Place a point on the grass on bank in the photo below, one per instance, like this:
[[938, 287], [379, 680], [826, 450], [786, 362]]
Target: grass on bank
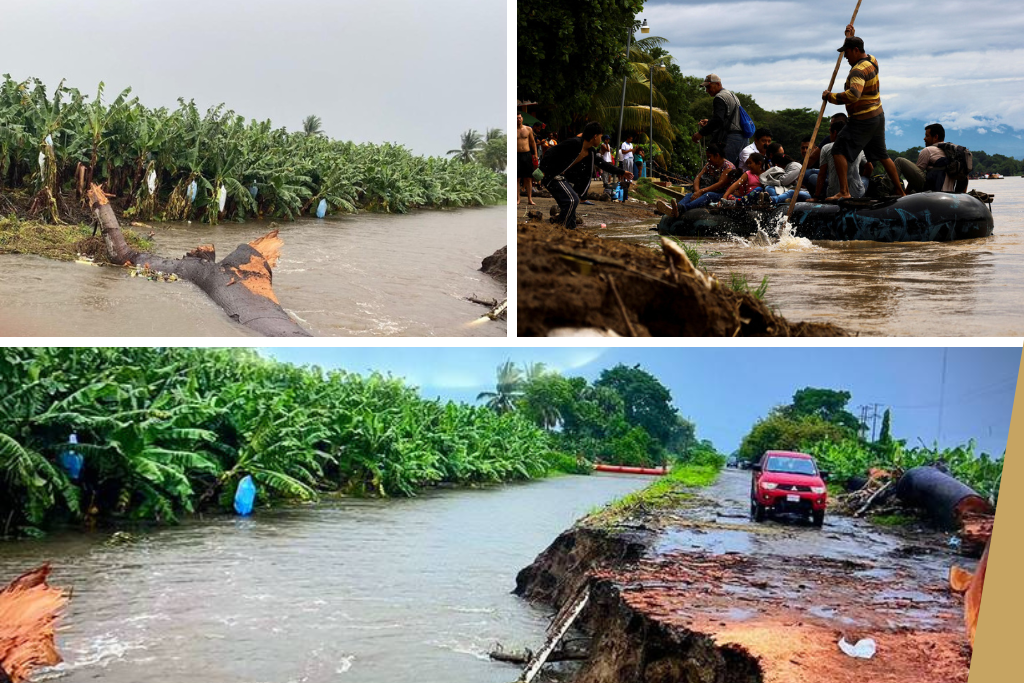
[[672, 490], [737, 282], [60, 242], [893, 520]]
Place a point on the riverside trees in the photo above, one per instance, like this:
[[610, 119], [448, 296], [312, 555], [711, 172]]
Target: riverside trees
[[818, 423], [625, 417]]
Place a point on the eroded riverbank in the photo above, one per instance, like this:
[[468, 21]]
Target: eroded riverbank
[[700, 593]]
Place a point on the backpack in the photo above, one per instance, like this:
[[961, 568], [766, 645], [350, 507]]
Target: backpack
[[746, 124], [959, 160]]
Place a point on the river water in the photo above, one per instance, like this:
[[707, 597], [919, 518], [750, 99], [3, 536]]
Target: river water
[[358, 591], [967, 288], [362, 275]]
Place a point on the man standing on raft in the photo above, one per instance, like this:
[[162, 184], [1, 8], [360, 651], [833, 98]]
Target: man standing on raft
[[865, 131]]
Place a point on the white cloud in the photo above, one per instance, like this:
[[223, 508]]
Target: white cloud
[[981, 131], [963, 74]]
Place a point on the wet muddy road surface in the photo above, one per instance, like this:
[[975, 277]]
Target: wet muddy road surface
[[350, 590], [362, 275], [785, 592], [965, 288]]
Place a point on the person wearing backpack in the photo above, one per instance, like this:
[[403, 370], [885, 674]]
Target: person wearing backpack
[[929, 173], [725, 127]]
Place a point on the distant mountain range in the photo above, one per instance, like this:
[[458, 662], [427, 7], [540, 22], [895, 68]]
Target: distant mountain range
[[1004, 141]]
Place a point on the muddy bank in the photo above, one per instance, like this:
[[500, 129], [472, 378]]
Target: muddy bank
[[600, 210], [697, 595], [576, 280], [496, 265]]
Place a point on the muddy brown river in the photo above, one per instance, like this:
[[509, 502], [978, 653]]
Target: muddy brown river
[[362, 275], [349, 590], [967, 288]]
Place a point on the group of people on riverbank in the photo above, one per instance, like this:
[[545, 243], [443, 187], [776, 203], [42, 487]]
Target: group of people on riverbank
[[531, 150]]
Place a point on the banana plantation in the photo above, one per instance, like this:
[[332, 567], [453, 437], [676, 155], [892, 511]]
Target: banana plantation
[[188, 165], [165, 432]]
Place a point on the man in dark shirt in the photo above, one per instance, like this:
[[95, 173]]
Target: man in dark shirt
[[569, 168], [723, 127]]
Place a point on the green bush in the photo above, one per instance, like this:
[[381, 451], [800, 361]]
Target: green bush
[[167, 431]]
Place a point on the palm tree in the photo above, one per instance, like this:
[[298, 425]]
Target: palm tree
[[638, 113], [472, 144], [494, 154], [508, 389], [311, 125]]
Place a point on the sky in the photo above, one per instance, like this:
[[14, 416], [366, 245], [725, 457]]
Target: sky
[[724, 391], [405, 71], [955, 63]]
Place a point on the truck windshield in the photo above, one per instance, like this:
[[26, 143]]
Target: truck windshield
[[791, 465]]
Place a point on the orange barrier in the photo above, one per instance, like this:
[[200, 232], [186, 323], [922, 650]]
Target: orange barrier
[[622, 469]]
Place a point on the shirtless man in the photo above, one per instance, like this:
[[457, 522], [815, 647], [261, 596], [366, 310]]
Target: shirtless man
[[526, 152]]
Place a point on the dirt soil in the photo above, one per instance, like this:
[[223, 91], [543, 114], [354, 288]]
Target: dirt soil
[[602, 210], [572, 279], [716, 598], [496, 265]]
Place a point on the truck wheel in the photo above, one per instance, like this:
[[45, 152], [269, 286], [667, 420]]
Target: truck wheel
[[759, 512], [818, 517]]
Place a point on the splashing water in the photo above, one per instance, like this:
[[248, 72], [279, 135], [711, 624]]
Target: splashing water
[[775, 237]]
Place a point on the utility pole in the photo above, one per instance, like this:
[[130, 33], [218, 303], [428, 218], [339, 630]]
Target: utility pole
[[874, 421], [862, 431]]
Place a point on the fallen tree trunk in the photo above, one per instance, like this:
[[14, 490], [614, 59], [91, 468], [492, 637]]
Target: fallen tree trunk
[[29, 611], [241, 283], [946, 500]]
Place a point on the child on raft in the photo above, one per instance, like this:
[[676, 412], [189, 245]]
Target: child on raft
[[748, 186]]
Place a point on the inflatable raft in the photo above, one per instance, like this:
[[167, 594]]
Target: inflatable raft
[[922, 217]]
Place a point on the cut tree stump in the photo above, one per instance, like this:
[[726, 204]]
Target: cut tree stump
[[253, 304], [29, 612]]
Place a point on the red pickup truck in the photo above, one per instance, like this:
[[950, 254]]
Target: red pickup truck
[[784, 481]]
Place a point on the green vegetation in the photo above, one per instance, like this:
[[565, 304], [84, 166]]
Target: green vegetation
[[670, 491], [62, 242], [895, 519], [626, 417], [572, 61], [983, 162], [54, 145], [853, 457], [168, 431], [739, 283], [570, 49], [818, 423]]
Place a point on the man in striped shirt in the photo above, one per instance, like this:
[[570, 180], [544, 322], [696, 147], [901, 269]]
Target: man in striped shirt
[[865, 131]]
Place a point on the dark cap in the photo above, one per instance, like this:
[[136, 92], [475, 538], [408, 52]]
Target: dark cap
[[852, 43]]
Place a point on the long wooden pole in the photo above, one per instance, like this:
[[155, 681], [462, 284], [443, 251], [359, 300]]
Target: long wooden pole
[[814, 135]]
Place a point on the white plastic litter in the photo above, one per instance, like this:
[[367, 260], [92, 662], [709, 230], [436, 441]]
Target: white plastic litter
[[42, 163], [151, 181], [222, 197], [864, 649]]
